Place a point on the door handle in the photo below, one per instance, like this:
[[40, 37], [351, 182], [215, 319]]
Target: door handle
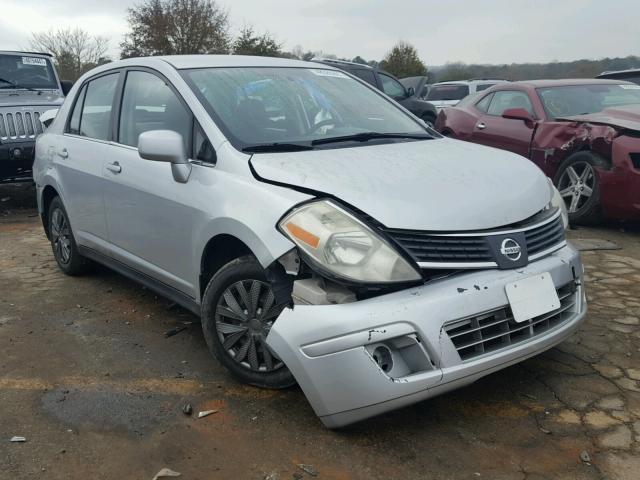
[[63, 153], [114, 167], [481, 126]]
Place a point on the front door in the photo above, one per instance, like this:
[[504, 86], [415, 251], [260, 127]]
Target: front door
[[150, 217], [508, 134]]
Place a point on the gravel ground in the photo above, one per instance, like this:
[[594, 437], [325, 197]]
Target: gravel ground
[[88, 377]]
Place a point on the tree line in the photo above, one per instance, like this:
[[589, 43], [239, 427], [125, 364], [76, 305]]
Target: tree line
[[175, 27]]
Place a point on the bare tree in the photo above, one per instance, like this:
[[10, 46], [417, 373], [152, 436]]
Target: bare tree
[[74, 50], [167, 27]]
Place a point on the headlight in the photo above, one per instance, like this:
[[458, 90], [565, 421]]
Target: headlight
[[341, 244], [558, 202]]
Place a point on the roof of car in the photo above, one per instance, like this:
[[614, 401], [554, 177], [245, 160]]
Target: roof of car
[[474, 80], [565, 82], [342, 63], [207, 61], [615, 72], [19, 52]]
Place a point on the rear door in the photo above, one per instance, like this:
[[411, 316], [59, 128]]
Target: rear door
[[80, 155], [507, 134], [150, 216]]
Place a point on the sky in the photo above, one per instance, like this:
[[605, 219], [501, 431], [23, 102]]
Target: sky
[[476, 31]]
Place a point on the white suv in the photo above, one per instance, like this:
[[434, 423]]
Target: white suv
[[448, 94], [324, 234]]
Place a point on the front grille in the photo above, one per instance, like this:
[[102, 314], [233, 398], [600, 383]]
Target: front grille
[[19, 126], [544, 237], [424, 247], [497, 329], [434, 250]]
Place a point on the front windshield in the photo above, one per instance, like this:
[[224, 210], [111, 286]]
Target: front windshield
[[260, 105], [25, 71], [584, 99]]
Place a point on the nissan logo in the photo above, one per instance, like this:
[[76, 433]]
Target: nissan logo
[[511, 249]]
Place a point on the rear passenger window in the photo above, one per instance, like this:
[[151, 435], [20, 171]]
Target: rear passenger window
[[149, 104], [96, 109], [74, 122]]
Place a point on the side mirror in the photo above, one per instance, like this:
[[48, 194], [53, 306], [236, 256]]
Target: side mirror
[[66, 86], [519, 114], [166, 146], [47, 117], [411, 92]]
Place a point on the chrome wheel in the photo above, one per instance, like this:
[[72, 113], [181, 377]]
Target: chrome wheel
[[244, 315], [576, 185], [61, 236]]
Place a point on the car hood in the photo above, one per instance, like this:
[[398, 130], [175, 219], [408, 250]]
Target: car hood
[[11, 98], [438, 185], [627, 117]]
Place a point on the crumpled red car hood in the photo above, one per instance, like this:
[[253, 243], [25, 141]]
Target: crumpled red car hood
[[627, 117]]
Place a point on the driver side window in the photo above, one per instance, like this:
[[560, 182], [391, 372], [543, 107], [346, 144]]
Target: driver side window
[[392, 87], [149, 104], [505, 99]]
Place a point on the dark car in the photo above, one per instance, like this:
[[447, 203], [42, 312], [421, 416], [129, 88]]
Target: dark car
[[29, 86], [584, 134], [388, 84], [419, 84], [631, 75]]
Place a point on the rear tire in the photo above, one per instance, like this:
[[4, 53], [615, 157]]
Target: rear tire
[[577, 181], [237, 313], [63, 244]]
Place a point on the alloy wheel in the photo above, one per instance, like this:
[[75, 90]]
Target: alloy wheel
[[244, 315], [576, 185], [61, 236]]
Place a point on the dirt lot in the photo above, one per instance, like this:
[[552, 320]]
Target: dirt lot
[[88, 377]]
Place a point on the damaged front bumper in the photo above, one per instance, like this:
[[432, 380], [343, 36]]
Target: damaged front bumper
[[356, 360]]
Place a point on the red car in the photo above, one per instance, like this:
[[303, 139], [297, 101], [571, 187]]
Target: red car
[[584, 134]]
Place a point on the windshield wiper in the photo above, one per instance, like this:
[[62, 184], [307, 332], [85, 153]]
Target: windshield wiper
[[15, 85], [277, 147], [366, 136]]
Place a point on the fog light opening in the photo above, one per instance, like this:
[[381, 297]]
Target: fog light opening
[[382, 356]]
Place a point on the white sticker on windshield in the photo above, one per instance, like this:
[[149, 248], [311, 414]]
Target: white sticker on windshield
[[34, 61], [630, 87], [329, 73]]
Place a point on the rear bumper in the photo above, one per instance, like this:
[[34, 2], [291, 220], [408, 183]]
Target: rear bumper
[[330, 349], [16, 160]]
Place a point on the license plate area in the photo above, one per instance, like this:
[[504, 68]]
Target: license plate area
[[532, 296]]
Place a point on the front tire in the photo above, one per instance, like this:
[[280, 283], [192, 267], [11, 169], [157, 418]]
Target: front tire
[[63, 244], [237, 313], [430, 120], [577, 182]]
